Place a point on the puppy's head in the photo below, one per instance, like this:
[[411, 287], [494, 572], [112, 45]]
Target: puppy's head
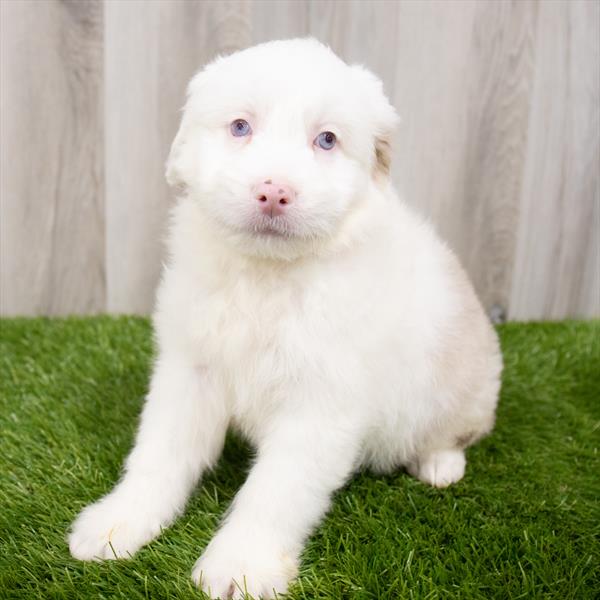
[[279, 144]]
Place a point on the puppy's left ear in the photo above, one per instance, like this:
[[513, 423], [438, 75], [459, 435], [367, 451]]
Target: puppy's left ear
[[383, 157], [384, 121]]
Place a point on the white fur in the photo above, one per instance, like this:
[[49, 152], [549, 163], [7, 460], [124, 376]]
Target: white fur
[[346, 336]]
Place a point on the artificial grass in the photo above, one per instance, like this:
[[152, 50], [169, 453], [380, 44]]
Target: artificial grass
[[524, 522]]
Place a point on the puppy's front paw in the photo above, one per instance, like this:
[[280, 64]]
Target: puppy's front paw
[[228, 569], [111, 528]]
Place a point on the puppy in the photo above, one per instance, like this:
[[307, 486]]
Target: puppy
[[303, 304]]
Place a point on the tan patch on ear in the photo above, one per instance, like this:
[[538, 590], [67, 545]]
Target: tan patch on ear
[[383, 157]]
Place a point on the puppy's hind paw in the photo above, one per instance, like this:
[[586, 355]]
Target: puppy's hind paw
[[440, 468]]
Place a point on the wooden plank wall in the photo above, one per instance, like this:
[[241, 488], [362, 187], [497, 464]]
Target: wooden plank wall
[[499, 146], [52, 212]]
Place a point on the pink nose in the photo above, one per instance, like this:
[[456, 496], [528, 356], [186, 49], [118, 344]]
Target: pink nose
[[273, 198]]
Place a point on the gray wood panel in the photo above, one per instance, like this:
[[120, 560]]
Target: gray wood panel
[[557, 266], [135, 189], [499, 145], [484, 213], [51, 183], [275, 20]]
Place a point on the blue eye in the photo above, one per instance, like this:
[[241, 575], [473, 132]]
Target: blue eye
[[240, 128], [325, 140]]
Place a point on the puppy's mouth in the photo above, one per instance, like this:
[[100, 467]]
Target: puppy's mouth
[[272, 227]]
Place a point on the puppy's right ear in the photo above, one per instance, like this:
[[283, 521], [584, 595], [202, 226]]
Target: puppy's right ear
[[174, 168], [180, 159]]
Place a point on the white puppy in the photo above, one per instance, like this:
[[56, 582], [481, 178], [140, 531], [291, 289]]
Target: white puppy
[[302, 304]]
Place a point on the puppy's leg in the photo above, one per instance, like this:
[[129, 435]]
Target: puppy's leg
[[287, 492], [181, 433]]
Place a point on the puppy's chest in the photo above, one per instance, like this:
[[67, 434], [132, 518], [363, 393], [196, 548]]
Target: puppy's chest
[[244, 326]]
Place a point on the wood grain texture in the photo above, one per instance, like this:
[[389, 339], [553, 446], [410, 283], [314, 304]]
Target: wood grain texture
[[485, 210], [557, 267], [275, 20], [51, 189], [499, 145]]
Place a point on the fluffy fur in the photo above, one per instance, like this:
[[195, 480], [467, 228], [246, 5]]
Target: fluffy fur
[[342, 334]]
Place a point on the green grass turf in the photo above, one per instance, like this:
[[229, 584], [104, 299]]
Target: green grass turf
[[523, 523]]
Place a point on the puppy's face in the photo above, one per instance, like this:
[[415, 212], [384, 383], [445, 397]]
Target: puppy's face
[[279, 144]]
